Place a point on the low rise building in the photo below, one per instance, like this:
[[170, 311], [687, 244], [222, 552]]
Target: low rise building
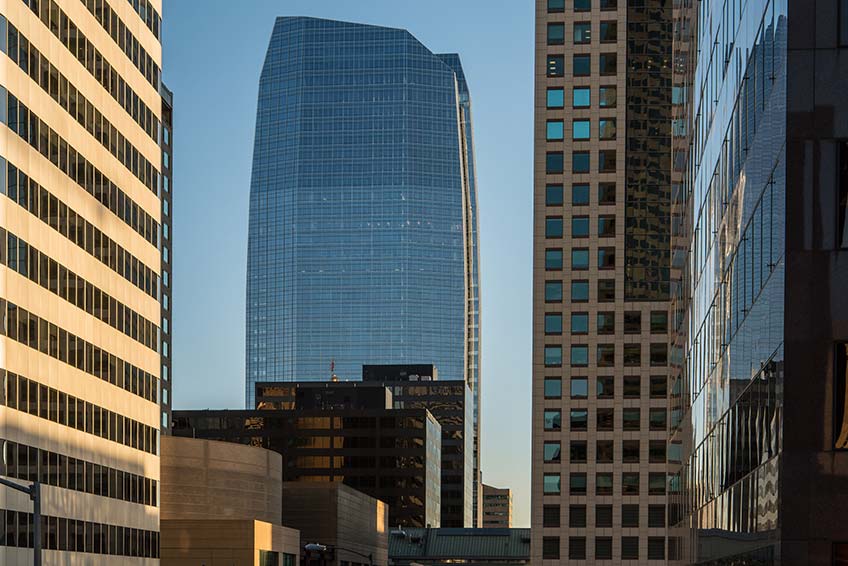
[[469, 547], [497, 507]]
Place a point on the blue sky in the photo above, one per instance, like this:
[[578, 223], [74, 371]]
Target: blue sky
[[213, 53]]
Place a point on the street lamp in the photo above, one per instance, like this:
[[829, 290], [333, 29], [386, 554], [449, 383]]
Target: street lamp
[[34, 492], [323, 548]]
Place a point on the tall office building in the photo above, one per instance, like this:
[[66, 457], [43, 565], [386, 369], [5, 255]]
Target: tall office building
[[166, 132], [363, 215], [759, 310], [81, 277], [601, 280]]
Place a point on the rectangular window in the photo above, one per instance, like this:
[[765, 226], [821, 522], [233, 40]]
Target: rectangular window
[[603, 516], [578, 452], [553, 195], [551, 516], [582, 32], [556, 98], [605, 418], [840, 395], [579, 323], [603, 483], [609, 5], [607, 97], [606, 322], [553, 388], [554, 130], [582, 5], [606, 290], [659, 387], [657, 452], [606, 193], [550, 548], [656, 548], [606, 258], [632, 355], [630, 451], [553, 291], [581, 97], [553, 162], [577, 484], [604, 453], [580, 194], [553, 420], [606, 355], [629, 486], [609, 32], [606, 226], [577, 516], [656, 483], [579, 388], [552, 452], [580, 162], [579, 259], [556, 34], [582, 65], [607, 64], [553, 356], [606, 387], [580, 130], [580, 227], [659, 322], [607, 129], [579, 291], [630, 418], [553, 259], [632, 386], [579, 419], [632, 322], [553, 227], [656, 516], [556, 66], [657, 418], [659, 355], [603, 548], [577, 548], [606, 161], [555, 6], [630, 548], [553, 323]]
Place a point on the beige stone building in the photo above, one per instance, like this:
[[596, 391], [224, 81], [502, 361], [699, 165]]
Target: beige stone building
[[601, 281], [222, 506], [497, 507], [80, 277]]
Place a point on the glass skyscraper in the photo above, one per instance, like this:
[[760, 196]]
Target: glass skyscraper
[[363, 215]]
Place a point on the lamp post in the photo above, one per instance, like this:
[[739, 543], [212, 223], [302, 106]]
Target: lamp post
[[34, 492], [323, 548]]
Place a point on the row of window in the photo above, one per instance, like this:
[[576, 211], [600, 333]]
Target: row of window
[[581, 129], [604, 452], [579, 256], [581, 65], [33, 464], [554, 226], [124, 38], [98, 67], [630, 516], [581, 162], [71, 535], [630, 481], [606, 322], [54, 83], [56, 278], [582, 32], [581, 97], [39, 334], [603, 548], [580, 291], [56, 214], [579, 194], [631, 386], [605, 355], [631, 419], [558, 6], [51, 404], [54, 148]]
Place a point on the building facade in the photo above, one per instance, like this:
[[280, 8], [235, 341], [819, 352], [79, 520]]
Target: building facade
[[601, 280], [474, 547], [363, 201], [81, 278], [167, 196], [497, 507], [759, 313]]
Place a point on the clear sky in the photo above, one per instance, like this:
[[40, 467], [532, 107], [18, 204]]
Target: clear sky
[[213, 53]]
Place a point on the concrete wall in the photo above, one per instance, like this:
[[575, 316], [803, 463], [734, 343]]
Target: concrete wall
[[224, 543]]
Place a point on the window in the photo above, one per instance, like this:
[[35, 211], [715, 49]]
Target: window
[[580, 227], [629, 486], [579, 419], [555, 130], [577, 548], [603, 548], [553, 323], [603, 516], [552, 452], [580, 194], [656, 548], [843, 22], [553, 195], [606, 355], [632, 386], [607, 97], [582, 65], [609, 4], [553, 291], [553, 7], [630, 516], [552, 484], [605, 418], [606, 387], [659, 355], [657, 419], [657, 451], [556, 34], [607, 64], [606, 258], [604, 452], [579, 356], [580, 130], [556, 66], [577, 484], [840, 395], [659, 387], [656, 483], [580, 259], [579, 291], [579, 388], [582, 32], [268, 558], [577, 516], [581, 97], [553, 388], [606, 226], [578, 452], [553, 259], [632, 355], [609, 32], [553, 419], [656, 516], [580, 162], [606, 161], [630, 548], [556, 98], [582, 5], [606, 193], [631, 418], [630, 451], [553, 227], [659, 322], [554, 162], [632, 322], [606, 129], [550, 546], [603, 483], [550, 516], [553, 356], [606, 290], [606, 323]]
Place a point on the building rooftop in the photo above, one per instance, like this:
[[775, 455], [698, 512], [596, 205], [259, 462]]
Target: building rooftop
[[472, 546]]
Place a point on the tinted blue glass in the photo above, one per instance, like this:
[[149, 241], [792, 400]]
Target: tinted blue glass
[[553, 162], [553, 195], [580, 227], [556, 65], [556, 98], [582, 65], [580, 162], [579, 355], [553, 387], [552, 484], [553, 291], [580, 258], [580, 194], [556, 34], [579, 323], [553, 227], [579, 291], [582, 5], [555, 130], [552, 452], [582, 97], [553, 355], [553, 259], [580, 129], [553, 324]]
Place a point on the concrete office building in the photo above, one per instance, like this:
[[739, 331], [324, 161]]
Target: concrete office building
[[81, 277], [759, 309], [601, 280], [222, 506], [497, 507], [337, 232]]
